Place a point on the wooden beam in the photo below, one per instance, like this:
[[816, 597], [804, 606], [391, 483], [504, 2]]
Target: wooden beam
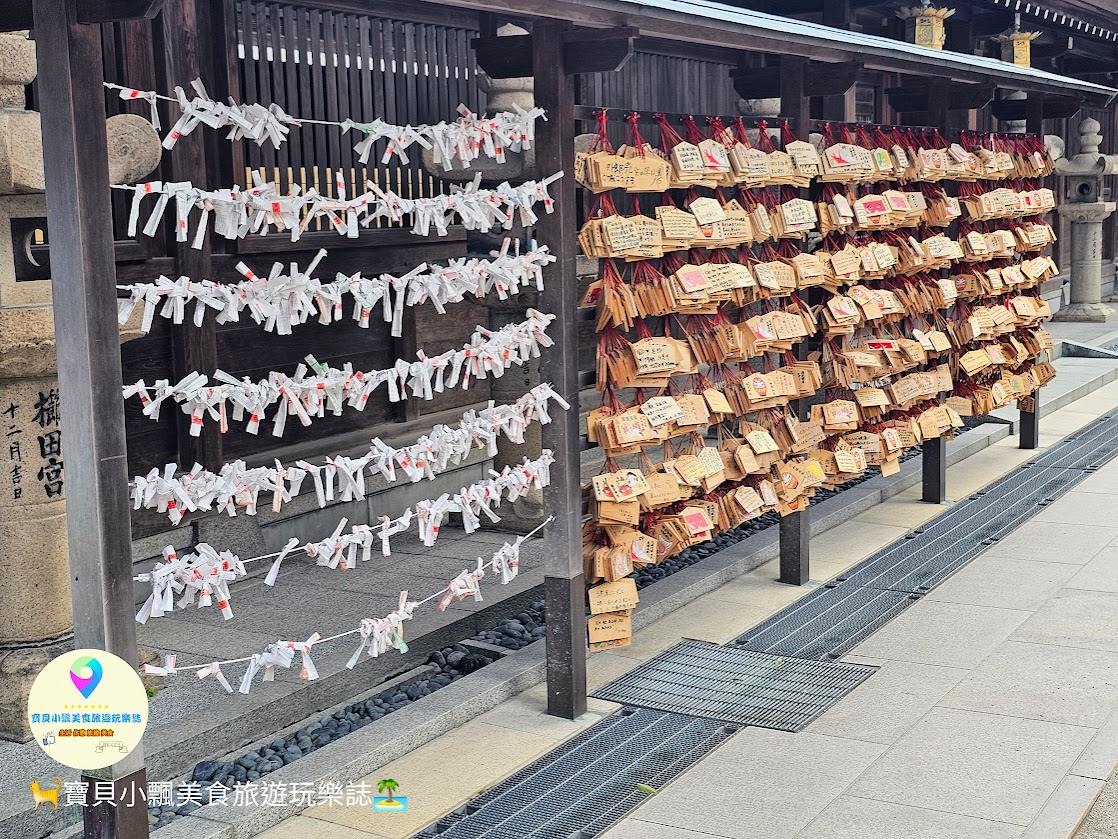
[[19, 14], [16, 15], [961, 96], [654, 21], [598, 50], [106, 11], [820, 78], [584, 51], [193, 348], [75, 156], [564, 582], [1052, 107]]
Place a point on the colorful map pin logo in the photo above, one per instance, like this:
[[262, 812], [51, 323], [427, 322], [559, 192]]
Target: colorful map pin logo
[[85, 673]]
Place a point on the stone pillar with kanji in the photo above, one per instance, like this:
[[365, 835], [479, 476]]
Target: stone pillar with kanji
[[36, 621]]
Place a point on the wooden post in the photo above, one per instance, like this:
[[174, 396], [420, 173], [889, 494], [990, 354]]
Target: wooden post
[[838, 107], [1028, 423], [564, 583], [193, 349], [72, 103], [934, 483], [794, 105], [795, 528]]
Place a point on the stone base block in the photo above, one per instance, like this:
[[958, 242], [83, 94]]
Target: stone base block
[[1085, 313], [518, 167], [21, 152], [524, 514], [17, 59], [18, 669]]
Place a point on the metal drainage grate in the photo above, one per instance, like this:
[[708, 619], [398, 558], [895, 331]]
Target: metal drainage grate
[[929, 554], [735, 685], [582, 787], [1088, 448], [826, 623], [832, 620]]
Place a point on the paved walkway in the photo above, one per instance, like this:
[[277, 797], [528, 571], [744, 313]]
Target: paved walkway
[[994, 714], [989, 719]]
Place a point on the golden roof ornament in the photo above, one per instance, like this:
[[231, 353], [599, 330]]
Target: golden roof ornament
[[1017, 45], [924, 24]]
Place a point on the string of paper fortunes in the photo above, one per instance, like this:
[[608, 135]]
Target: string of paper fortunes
[[488, 352], [925, 303], [377, 635], [238, 212], [281, 301], [464, 140], [341, 478], [208, 572]]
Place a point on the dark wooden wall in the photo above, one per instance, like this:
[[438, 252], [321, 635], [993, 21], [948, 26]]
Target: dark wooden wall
[[332, 61]]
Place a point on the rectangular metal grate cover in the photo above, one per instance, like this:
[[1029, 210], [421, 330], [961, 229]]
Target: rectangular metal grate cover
[[826, 623], [590, 781], [736, 685]]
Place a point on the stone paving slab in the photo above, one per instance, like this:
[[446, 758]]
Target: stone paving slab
[[982, 765], [1020, 584], [1056, 541], [886, 706], [1075, 618], [1042, 682], [944, 634], [849, 817], [761, 784]]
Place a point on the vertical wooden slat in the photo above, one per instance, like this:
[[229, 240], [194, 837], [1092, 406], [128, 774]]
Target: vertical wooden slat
[[194, 349], [264, 12], [341, 51], [330, 79], [388, 51], [250, 77], [278, 91], [372, 89], [314, 135], [460, 55], [442, 60], [409, 80], [291, 102], [317, 164]]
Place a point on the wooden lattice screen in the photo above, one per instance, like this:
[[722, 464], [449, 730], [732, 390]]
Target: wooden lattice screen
[[335, 65]]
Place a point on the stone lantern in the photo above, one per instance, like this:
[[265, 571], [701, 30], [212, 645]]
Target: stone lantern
[[36, 622], [1086, 212]]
